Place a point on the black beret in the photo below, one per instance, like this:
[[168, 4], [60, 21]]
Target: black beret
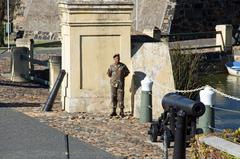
[[115, 55]]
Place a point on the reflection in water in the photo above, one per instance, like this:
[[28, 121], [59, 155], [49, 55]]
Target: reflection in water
[[230, 85]]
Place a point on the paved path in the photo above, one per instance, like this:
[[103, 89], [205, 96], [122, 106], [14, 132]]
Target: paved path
[[22, 137]]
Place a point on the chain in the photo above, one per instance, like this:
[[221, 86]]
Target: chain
[[181, 91], [225, 95], [215, 129], [227, 110], [196, 90], [191, 90]]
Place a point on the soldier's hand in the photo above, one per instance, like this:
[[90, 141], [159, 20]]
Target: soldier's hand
[[109, 74]]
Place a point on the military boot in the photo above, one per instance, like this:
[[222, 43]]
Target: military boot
[[121, 113], [113, 113]]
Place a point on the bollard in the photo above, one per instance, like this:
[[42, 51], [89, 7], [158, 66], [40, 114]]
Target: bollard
[[25, 42], [66, 139], [146, 100], [54, 69], [20, 67], [207, 120], [180, 136], [49, 103]]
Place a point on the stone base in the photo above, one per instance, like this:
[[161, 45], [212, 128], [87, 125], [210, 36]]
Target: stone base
[[18, 79], [101, 105]]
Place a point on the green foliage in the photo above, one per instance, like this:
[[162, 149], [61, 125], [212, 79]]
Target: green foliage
[[230, 135], [2, 34]]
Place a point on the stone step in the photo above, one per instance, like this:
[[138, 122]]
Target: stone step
[[222, 145]]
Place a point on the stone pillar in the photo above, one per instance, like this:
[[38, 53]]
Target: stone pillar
[[92, 32], [20, 67], [24, 42], [54, 69], [225, 37], [155, 33]]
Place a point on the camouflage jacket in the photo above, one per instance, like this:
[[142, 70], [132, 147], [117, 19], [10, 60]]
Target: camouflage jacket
[[117, 73]]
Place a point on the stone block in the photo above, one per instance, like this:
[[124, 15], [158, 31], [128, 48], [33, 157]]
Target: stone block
[[154, 33], [224, 38], [153, 60]]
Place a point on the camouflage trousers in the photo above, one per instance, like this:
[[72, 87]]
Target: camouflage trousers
[[117, 97]]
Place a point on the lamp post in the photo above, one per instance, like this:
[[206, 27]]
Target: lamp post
[[8, 24], [136, 12]]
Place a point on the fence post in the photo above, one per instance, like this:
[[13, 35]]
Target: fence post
[[25, 42], [66, 139], [180, 136], [207, 120], [146, 100], [225, 37], [54, 69], [49, 103]]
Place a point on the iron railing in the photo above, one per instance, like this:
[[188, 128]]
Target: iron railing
[[190, 36]]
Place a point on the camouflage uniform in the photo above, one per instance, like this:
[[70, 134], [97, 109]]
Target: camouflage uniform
[[117, 72]]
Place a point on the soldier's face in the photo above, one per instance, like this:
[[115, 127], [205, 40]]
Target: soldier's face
[[117, 59]]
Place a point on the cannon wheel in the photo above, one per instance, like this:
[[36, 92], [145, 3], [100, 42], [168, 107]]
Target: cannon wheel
[[154, 132]]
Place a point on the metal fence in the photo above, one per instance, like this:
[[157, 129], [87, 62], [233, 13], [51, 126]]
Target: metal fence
[[190, 36]]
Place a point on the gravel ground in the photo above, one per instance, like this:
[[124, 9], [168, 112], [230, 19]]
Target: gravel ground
[[121, 137], [125, 137]]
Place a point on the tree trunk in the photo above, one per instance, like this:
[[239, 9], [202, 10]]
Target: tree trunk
[[2, 13]]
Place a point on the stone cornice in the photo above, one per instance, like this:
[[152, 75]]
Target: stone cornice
[[95, 2], [97, 5], [106, 23]]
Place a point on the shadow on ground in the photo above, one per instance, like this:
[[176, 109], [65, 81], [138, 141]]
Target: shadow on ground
[[25, 85], [14, 105]]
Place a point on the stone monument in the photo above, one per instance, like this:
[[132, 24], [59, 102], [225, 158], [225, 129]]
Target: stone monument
[[92, 32]]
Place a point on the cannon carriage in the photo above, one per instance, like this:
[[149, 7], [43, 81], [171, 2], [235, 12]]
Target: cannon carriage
[[178, 121]]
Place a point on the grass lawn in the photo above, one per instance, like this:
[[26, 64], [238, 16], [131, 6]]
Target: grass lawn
[[37, 43]]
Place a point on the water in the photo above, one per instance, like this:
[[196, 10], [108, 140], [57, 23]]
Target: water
[[230, 85]]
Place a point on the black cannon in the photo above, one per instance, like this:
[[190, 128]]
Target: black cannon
[[177, 123]]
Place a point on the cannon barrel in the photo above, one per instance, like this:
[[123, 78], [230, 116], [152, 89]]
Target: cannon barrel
[[178, 102]]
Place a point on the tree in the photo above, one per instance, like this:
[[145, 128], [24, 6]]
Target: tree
[[2, 14]]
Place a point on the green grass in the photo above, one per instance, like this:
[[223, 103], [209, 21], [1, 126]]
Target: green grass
[[42, 43], [37, 43]]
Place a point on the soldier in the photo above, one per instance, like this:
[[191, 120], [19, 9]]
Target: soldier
[[117, 72]]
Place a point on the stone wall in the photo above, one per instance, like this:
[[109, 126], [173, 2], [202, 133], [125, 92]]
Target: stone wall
[[168, 16], [39, 19], [42, 35], [150, 14], [151, 59], [175, 15]]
